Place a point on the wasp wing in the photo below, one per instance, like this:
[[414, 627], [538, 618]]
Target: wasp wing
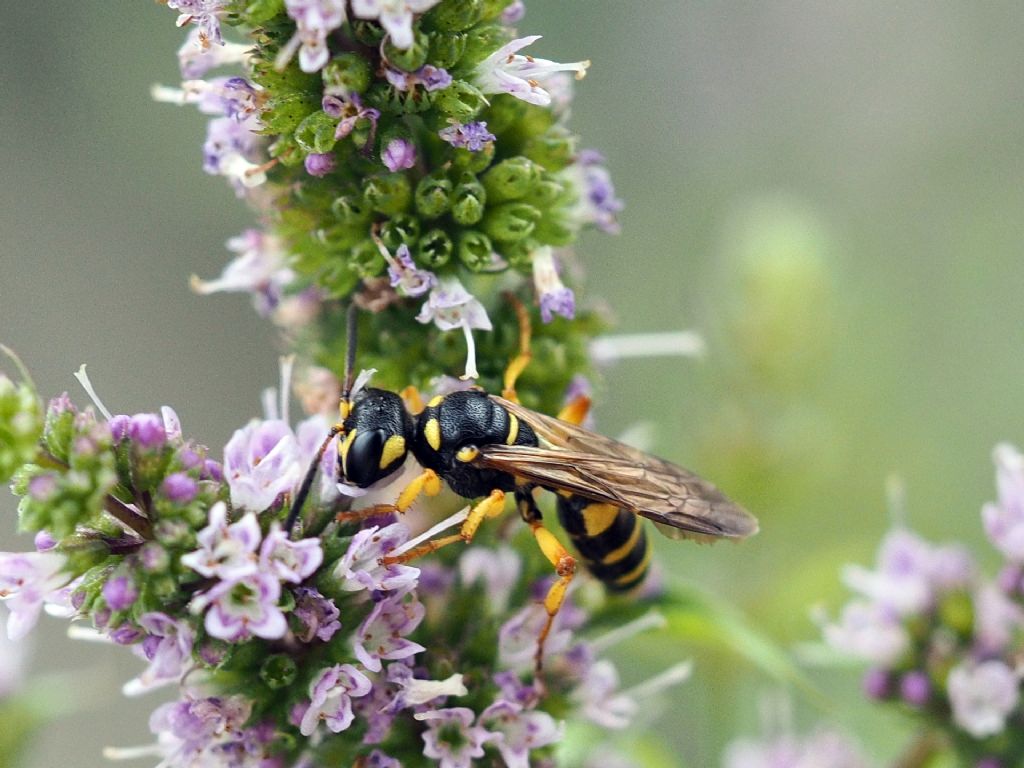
[[596, 467]]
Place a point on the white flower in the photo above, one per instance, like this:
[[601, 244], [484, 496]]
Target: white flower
[[867, 631], [26, 579], [451, 306], [982, 696], [505, 71], [1004, 522], [394, 15]]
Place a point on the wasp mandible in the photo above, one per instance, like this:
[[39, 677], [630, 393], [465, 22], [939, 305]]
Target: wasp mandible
[[485, 446]]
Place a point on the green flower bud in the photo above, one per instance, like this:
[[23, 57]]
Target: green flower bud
[[409, 59], [316, 132], [21, 425], [511, 221], [468, 200], [284, 113], [446, 49], [474, 162], [554, 149], [510, 179], [504, 113], [338, 278], [547, 193], [492, 9], [434, 249], [432, 195], [388, 193], [475, 251], [258, 12], [402, 229], [278, 671], [483, 41], [454, 15], [347, 73], [164, 588], [552, 229], [366, 260], [352, 211], [286, 150], [367, 33], [460, 101], [957, 612], [520, 253]]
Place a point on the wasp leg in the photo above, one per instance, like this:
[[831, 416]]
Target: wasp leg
[[565, 569], [427, 482], [518, 363], [492, 506], [576, 410], [413, 400]]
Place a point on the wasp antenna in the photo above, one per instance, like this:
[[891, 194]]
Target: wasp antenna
[[351, 336], [307, 481]]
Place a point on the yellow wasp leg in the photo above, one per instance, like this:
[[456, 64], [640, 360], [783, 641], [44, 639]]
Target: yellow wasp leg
[[576, 410], [565, 568], [413, 400], [492, 506], [426, 482], [520, 361]]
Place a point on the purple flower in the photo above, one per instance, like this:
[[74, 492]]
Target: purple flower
[[404, 275], [399, 155], [120, 593], [516, 731], [513, 12], [41, 488], [226, 551], [597, 203], [997, 620], [202, 13], [168, 649], [314, 21], [915, 688], [517, 637], [1004, 521], [378, 759], [394, 15], [430, 77], [350, 110], [554, 297], [260, 268], [146, 430], [179, 488], [231, 149], [293, 561], [450, 738], [196, 56], [320, 164], [330, 698], [237, 610], [26, 580], [877, 683], [317, 615], [381, 636], [451, 306], [982, 696], [360, 567], [498, 569], [43, 540], [261, 462], [207, 731], [869, 632], [823, 748], [506, 71], [472, 136]]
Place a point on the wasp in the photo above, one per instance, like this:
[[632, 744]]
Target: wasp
[[485, 446]]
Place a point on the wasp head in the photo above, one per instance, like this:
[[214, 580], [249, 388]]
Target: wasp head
[[377, 433]]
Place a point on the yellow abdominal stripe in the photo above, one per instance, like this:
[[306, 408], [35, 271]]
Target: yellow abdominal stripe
[[513, 430], [597, 518]]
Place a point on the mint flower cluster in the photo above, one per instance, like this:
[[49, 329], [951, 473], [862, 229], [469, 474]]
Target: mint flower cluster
[[943, 641], [409, 152], [283, 652]]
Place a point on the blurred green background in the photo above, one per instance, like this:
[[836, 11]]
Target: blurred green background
[[831, 193]]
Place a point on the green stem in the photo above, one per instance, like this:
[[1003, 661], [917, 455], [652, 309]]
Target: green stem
[[922, 751]]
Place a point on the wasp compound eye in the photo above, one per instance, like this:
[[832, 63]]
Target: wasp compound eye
[[369, 455]]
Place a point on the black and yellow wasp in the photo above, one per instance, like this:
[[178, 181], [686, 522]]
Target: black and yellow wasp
[[484, 446]]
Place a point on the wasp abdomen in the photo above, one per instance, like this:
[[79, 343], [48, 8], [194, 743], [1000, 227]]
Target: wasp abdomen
[[610, 540]]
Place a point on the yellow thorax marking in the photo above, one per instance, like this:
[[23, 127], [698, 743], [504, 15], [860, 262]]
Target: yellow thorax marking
[[343, 447], [619, 553], [344, 408], [513, 430], [394, 448], [468, 453], [432, 431], [435, 401], [597, 518]]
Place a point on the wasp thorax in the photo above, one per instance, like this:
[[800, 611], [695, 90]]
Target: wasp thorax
[[376, 438]]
